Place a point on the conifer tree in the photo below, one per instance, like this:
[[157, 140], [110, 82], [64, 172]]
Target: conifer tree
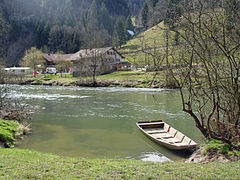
[[153, 2], [105, 18], [144, 15], [128, 26], [119, 34], [173, 13]]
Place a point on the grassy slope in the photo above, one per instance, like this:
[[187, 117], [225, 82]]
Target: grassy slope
[[156, 34], [23, 164]]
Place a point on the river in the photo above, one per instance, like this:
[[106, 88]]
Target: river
[[100, 122]]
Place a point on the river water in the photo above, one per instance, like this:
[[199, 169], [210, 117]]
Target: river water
[[101, 122]]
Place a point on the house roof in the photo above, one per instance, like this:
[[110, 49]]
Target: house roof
[[56, 57], [82, 54]]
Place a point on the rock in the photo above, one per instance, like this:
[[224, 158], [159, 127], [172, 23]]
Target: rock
[[212, 155]]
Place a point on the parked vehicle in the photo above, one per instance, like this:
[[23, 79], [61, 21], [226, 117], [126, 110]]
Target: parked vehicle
[[34, 73], [51, 70]]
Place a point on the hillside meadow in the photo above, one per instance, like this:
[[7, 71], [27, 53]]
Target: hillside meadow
[[153, 41]]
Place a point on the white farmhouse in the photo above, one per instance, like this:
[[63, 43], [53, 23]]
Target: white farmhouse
[[85, 62]]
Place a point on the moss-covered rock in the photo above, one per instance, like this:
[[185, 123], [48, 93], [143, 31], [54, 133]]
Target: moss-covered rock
[[10, 131]]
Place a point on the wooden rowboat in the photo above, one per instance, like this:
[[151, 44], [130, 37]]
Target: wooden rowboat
[[166, 135]]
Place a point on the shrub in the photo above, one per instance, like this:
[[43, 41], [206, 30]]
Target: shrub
[[7, 130]]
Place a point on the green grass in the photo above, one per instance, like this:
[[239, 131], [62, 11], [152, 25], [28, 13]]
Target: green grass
[[7, 131], [155, 36], [26, 164], [221, 147], [128, 75], [119, 75]]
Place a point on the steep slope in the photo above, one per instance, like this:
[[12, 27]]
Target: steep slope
[[146, 46], [56, 25]]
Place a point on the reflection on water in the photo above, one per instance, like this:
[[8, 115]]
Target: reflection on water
[[101, 122], [153, 157]]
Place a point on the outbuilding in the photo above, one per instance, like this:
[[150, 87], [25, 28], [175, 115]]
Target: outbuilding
[[19, 70]]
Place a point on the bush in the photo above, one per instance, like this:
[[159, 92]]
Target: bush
[[220, 147], [7, 131]]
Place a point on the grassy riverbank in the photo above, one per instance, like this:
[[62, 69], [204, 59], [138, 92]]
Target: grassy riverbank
[[138, 79], [118, 75], [10, 131], [25, 164]]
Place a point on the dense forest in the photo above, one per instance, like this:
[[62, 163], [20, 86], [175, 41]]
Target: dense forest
[[68, 25], [59, 25]]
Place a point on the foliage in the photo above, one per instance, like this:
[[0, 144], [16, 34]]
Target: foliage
[[216, 145], [26, 164], [128, 26], [221, 147], [32, 58], [134, 49], [135, 6], [144, 15], [56, 25], [120, 33], [4, 31], [63, 38], [173, 13], [7, 131], [210, 52]]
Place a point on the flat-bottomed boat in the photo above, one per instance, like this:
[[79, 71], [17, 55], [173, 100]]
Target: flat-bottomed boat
[[166, 135]]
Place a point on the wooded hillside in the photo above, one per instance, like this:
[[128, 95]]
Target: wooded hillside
[[58, 25]]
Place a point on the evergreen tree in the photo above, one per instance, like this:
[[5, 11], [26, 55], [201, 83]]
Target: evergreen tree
[[153, 3], [105, 18], [115, 38], [232, 8], [41, 34], [173, 13], [119, 34], [144, 15], [128, 26], [4, 30], [63, 38]]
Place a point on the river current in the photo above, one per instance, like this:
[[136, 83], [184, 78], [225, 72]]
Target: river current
[[101, 122]]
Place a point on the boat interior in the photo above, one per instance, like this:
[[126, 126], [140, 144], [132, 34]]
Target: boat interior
[[163, 132]]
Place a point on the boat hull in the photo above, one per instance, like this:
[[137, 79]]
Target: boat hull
[[161, 133]]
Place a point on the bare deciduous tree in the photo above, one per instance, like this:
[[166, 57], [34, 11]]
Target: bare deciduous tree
[[209, 81]]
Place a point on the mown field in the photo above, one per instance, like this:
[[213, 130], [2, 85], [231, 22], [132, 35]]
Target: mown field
[[26, 164]]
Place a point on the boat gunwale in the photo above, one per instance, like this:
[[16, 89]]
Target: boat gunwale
[[161, 141]]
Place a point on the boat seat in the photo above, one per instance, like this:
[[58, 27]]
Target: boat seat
[[177, 140], [156, 132], [152, 123], [171, 134]]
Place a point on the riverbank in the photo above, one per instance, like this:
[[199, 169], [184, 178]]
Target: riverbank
[[134, 79], [26, 164], [99, 83], [10, 131]]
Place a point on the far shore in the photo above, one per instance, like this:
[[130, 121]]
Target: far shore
[[99, 83], [130, 79]]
